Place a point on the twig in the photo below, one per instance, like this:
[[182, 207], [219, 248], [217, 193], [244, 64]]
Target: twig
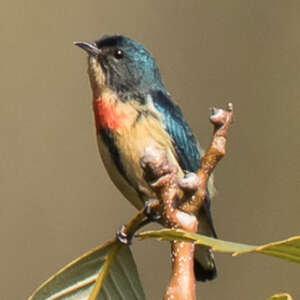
[[163, 179], [221, 119], [179, 212], [134, 224]]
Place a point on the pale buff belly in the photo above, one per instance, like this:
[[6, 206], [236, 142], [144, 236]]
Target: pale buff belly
[[131, 144], [117, 178]]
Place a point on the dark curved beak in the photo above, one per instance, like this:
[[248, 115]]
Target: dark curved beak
[[90, 47]]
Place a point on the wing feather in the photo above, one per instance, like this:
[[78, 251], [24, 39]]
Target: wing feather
[[186, 147], [184, 142]]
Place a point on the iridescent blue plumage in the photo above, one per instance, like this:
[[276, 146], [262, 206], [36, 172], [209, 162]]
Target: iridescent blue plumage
[[184, 142], [187, 150], [143, 78], [125, 77], [136, 74]]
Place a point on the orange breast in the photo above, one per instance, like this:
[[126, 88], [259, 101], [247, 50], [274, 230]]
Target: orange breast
[[107, 115]]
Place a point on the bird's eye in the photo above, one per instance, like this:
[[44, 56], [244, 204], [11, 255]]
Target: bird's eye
[[118, 54]]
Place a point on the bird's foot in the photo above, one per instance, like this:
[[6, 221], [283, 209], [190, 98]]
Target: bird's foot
[[189, 183], [152, 215], [123, 237], [151, 211]]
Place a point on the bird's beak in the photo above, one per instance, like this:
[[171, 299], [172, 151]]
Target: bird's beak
[[90, 47]]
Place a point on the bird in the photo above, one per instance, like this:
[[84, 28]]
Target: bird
[[132, 110]]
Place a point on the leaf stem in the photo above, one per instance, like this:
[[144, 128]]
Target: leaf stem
[[131, 227], [104, 270]]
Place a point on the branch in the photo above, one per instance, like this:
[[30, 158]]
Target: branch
[[179, 209], [221, 119], [162, 177]]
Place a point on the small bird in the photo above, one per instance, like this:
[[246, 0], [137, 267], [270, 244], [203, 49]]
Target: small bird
[[133, 110]]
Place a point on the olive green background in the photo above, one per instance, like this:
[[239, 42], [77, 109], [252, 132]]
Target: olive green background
[[56, 198]]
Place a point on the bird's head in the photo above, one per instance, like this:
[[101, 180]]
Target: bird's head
[[123, 65]]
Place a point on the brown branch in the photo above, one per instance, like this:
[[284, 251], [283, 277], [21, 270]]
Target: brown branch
[[179, 211], [221, 119], [134, 224], [163, 178]]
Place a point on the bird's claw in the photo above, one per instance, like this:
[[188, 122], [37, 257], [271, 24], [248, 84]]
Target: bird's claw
[[189, 183], [149, 210], [123, 237], [152, 215]]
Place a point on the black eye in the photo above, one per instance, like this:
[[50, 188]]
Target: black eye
[[118, 54]]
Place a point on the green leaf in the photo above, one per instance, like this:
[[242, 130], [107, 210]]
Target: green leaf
[[287, 249], [76, 281], [178, 234], [281, 297]]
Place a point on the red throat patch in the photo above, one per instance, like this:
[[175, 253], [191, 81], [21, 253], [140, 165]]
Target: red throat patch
[[107, 115]]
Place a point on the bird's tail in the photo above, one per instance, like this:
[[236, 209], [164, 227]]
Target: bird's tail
[[204, 264]]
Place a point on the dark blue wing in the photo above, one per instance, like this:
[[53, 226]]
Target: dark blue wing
[[184, 142], [188, 155]]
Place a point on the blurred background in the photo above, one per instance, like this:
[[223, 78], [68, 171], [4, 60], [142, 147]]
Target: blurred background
[[56, 198]]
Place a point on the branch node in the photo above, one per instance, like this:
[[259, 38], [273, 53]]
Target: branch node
[[180, 209]]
